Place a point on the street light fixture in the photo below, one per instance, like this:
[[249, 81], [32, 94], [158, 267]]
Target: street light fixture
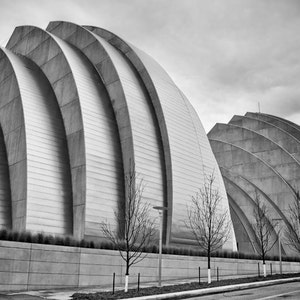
[[279, 243], [160, 210]]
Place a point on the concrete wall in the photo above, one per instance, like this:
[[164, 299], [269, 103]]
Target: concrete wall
[[33, 266]]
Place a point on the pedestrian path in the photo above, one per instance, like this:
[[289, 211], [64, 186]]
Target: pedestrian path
[[66, 294]]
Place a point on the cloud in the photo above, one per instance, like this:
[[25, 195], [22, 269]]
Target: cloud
[[226, 56], [255, 61]]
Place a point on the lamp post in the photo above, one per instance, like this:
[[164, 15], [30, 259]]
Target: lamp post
[[279, 244], [160, 212]]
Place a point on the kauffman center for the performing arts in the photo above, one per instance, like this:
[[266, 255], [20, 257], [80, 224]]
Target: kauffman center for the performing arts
[[78, 105]]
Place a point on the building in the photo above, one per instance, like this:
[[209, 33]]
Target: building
[[258, 154], [79, 107]]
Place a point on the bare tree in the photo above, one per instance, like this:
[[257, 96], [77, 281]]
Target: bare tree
[[136, 230], [209, 224], [263, 227], [292, 232]]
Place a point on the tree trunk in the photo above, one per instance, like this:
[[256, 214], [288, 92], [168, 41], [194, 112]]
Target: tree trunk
[[208, 268], [126, 283], [208, 276], [264, 266], [126, 276]]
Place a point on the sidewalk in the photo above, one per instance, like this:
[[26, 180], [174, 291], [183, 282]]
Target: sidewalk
[[66, 294]]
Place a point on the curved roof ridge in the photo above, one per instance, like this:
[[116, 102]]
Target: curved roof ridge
[[264, 137], [282, 121], [271, 125], [259, 159], [129, 51], [243, 220], [274, 205]]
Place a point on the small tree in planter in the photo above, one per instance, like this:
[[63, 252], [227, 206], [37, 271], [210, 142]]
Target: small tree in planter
[[137, 230], [210, 226], [263, 227]]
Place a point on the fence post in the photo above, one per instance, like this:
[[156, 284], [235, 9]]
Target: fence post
[[199, 274], [271, 268], [217, 273], [139, 275], [114, 279], [258, 269]]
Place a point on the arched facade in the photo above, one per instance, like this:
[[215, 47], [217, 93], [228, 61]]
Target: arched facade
[[258, 153], [79, 106]]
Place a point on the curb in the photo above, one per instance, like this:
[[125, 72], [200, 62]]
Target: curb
[[215, 290]]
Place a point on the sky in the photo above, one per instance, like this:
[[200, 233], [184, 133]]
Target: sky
[[227, 57]]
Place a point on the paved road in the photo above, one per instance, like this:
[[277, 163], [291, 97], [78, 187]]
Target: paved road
[[290, 291]]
